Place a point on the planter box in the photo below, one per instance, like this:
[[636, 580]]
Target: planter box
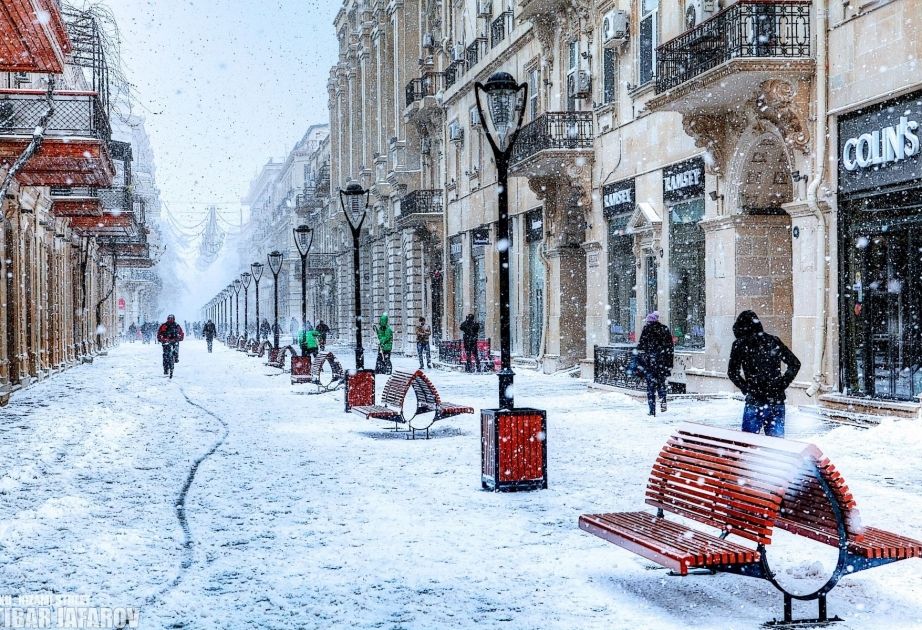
[[513, 446], [300, 369], [360, 388]]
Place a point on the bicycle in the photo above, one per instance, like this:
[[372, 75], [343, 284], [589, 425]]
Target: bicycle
[[170, 350]]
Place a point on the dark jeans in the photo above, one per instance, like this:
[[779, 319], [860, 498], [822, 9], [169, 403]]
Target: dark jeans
[[322, 340], [169, 347], [209, 341], [654, 386], [386, 359], [423, 347], [470, 347], [305, 351], [759, 417]]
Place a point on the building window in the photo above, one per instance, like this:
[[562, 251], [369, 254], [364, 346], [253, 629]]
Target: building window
[[534, 93], [572, 74], [622, 295], [648, 39], [686, 273], [609, 76]]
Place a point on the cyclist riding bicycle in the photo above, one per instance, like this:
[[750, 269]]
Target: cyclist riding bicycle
[[170, 334]]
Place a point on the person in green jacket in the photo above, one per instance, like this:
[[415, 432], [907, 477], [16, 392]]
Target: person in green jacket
[[385, 343], [307, 339]]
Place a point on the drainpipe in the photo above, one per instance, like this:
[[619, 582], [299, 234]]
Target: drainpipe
[[819, 166]]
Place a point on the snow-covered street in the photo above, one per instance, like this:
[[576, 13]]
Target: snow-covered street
[[297, 515]]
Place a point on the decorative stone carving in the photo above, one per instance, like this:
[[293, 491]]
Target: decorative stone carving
[[715, 133], [564, 215], [781, 104]]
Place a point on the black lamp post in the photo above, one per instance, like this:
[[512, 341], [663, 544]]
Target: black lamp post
[[304, 238], [237, 285], [354, 200], [257, 270], [505, 101], [230, 308], [246, 277], [275, 264]]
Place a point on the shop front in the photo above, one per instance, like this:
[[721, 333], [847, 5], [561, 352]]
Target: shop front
[[880, 214]]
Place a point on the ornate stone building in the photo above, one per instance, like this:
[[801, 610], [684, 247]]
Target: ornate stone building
[[387, 135]]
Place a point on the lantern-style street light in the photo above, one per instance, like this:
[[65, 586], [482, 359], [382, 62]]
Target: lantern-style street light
[[237, 285], [505, 100], [230, 309], [304, 238], [354, 201], [246, 277], [257, 270], [275, 264]]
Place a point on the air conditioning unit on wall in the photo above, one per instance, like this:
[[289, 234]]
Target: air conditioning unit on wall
[[615, 28], [484, 8], [580, 85], [697, 11], [457, 52]]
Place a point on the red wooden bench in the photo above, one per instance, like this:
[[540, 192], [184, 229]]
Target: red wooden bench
[[746, 485], [428, 400], [329, 379]]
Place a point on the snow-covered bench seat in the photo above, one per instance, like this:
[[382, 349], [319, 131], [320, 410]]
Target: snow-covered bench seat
[[745, 485], [428, 402]]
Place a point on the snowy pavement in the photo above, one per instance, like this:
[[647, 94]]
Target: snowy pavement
[[301, 516]]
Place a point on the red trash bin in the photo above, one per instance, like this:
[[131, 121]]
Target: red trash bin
[[513, 449]]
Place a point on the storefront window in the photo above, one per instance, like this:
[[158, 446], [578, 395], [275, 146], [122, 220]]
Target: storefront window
[[622, 296], [480, 289], [686, 273]]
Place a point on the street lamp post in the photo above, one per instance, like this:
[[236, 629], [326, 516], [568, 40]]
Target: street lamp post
[[257, 271], [275, 265], [246, 277], [236, 284], [505, 109], [354, 201], [304, 238]]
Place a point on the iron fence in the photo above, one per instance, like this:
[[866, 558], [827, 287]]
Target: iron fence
[[612, 367], [74, 115], [453, 72], [747, 29], [554, 130], [500, 27], [421, 202], [475, 51]]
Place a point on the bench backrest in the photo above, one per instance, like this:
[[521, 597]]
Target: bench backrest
[[396, 388], [806, 509], [746, 484], [427, 397], [317, 366]]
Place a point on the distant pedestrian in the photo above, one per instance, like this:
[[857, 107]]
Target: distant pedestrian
[[264, 329], [470, 332], [132, 333], [423, 332], [322, 331], [385, 345], [655, 356], [755, 368], [209, 331]]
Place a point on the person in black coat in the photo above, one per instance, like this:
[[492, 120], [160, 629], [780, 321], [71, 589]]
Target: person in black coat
[[209, 331], [755, 368], [470, 331], [655, 355]]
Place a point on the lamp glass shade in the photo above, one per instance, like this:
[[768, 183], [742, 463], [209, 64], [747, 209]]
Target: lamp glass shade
[[246, 277], [505, 104], [237, 284], [275, 261], [304, 237], [257, 269], [354, 200]]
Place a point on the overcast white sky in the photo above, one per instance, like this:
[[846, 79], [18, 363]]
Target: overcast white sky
[[226, 84]]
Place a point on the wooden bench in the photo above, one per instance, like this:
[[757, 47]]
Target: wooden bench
[[394, 397], [746, 485]]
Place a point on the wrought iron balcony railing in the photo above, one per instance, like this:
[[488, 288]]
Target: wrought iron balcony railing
[[75, 114], [81, 192], [475, 51], [430, 84], [554, 130], [500, 27], [453, 72], [420, 202], [611, 367], [747, 29], [116, 200]]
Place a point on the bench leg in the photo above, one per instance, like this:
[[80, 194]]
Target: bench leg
[[822, 619]]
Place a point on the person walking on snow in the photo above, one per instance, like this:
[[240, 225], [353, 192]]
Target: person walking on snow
[[755, 368], [385, 343], [209, 331], [264, 329], [655, 356], [307, 340], [170, 334], [470, 331], [423, 332], [322, 331]]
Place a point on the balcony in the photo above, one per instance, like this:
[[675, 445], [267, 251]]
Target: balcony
[[75, 202], [309, 201], [550, 143], [105, 225], [475, 52], [724, 60], [419, 206], [501, 27], [453, 72], [30, 45], [430, 84], [74, 150], [539, 8]]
